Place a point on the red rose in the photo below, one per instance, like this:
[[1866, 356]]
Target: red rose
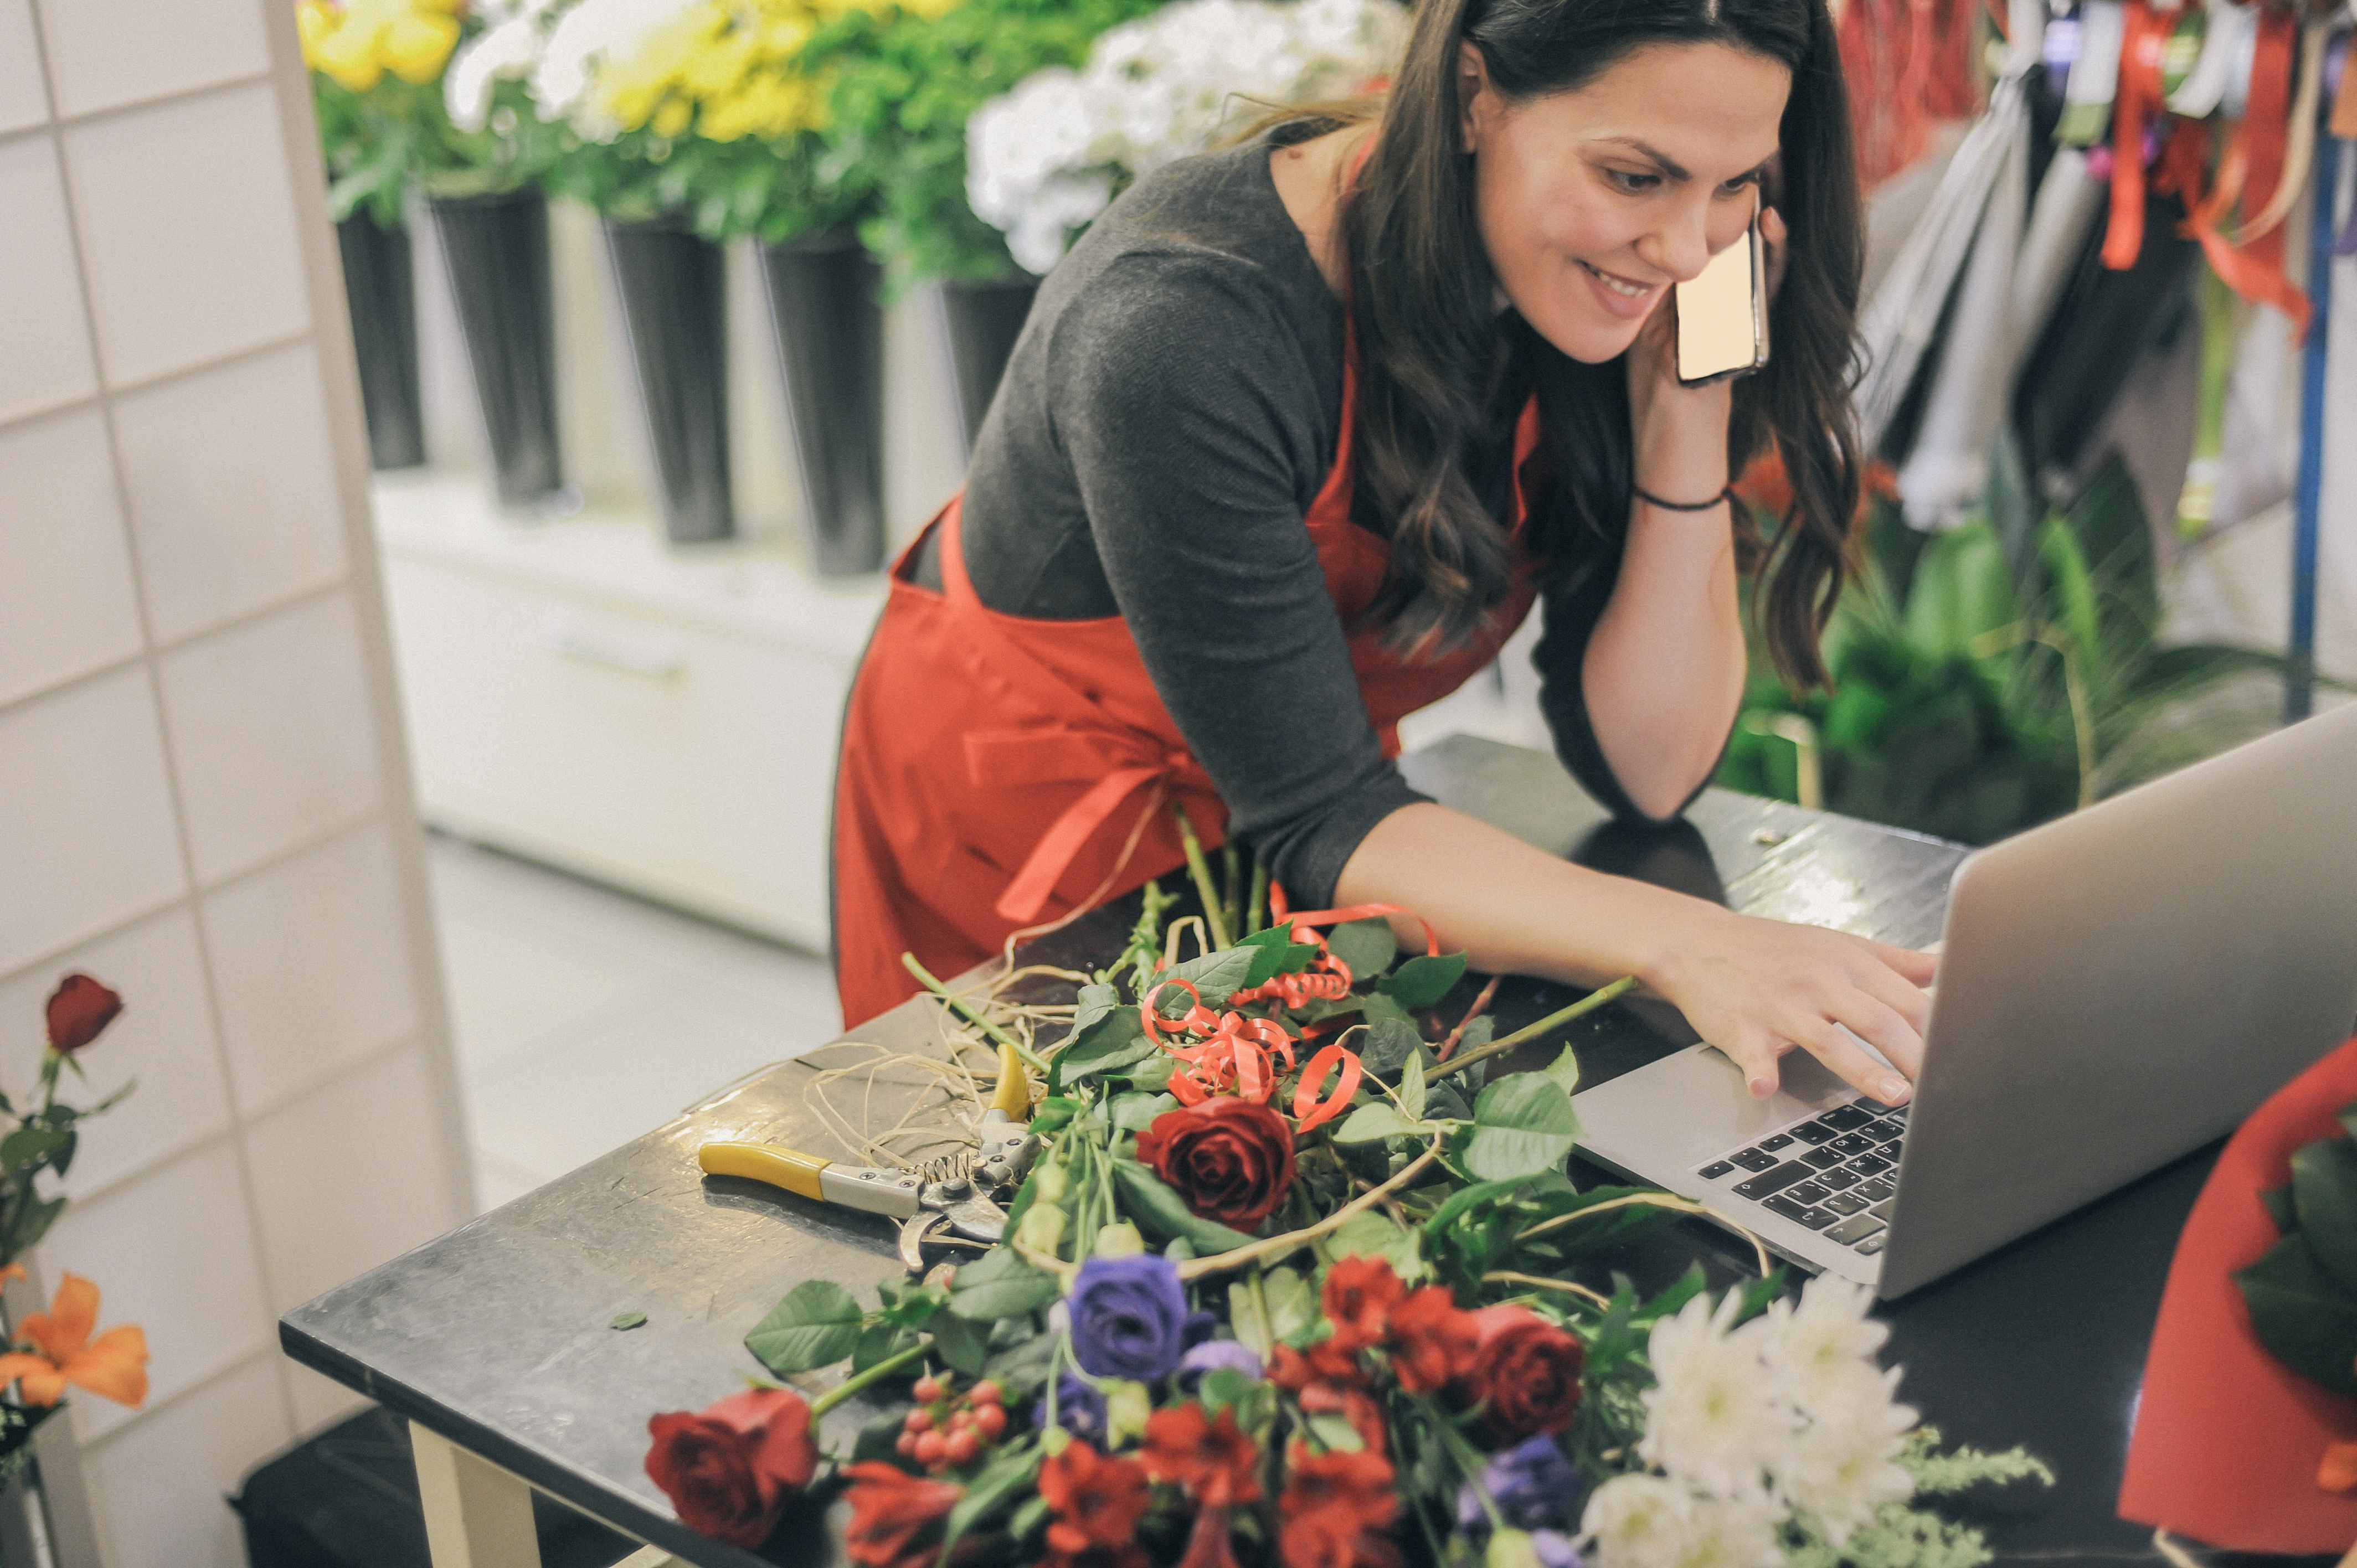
[[1229, 1160], [1431, 1344], [1359, 1297], [889, 1510], [79, 1008], [1354, 1406], [731, 1471], [1525, 1372], [1098, 1500], [1216, 1460]]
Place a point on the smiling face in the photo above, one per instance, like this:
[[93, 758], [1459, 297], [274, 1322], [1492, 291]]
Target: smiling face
[[1593, 202]]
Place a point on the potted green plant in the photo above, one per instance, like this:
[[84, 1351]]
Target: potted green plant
[[905, 84]]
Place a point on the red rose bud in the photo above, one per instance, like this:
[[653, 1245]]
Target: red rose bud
[[1229, 1160], [731, 1471], [1525, 1372], [78, 1009], [893, 1514]]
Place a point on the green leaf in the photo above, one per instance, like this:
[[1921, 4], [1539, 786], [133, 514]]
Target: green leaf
[[1216, 975], [1293, 1305], [1053, 1114], [1106, 1034], [1376, 1007], [2301, 1316], [2277, 1201], [963, 1343], [1379, 1119], [1564, 1070], [1367, 1233], [817, 1325], [881, 1342], [1000, 1284], [1154, 1072], [1335, 1432], [1470, 1197], [1135, 1112], [1410, 1086], [1021, 1372], [627, 1320], [1162, 1214], [1421, 982], [1276, 953], [27, 1147], [1009, 1472], [1245, 1317], [1390, 1042], [1523, 1125], [32, 1221], [2324, 1192], [1367, 946]]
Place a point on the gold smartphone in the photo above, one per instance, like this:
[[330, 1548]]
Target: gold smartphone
[[1723, 314]]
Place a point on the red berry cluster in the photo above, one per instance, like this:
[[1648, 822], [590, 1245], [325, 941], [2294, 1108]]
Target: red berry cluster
[[949, 1431]]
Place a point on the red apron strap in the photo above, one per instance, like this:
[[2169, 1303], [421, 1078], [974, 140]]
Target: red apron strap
[[2138, 96]]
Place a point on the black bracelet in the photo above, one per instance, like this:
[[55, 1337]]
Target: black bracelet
[[1725, 495]]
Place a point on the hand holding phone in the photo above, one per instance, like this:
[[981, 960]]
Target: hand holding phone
[[1722, 315]]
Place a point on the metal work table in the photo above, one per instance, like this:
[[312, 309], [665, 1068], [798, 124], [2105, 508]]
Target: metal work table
[[494, 1340]]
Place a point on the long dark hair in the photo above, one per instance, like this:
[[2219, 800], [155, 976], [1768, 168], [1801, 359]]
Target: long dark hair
[[1441, 373]]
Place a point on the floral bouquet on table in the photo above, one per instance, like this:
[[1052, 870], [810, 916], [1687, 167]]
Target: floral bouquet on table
[[700, 109], [385, 111], [1289, 1283], [50, 1349], [1043, 160]]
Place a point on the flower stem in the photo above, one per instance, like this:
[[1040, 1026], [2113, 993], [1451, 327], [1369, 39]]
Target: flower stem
[[858, 1381], [1214, 920], [1257, 911], [1588, 1003], [972, 1015], [1277, 1246]]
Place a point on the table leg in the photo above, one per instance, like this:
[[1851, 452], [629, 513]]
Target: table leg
[[477, 1515]]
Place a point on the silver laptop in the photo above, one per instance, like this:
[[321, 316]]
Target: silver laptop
[[2116, 989]]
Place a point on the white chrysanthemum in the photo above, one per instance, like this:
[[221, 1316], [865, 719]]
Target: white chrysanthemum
[[1819, 1349], [508, 49], [1843, 1462], [1044, 159], [1723, 1532], [1636, 1521], [591, 33], [1712, 1419]]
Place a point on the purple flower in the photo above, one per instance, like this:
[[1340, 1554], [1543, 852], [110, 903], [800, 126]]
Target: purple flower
[[1534, 1487], [1554, 1549], [1129, 1317], [1079, 1410], [1212, 1355]]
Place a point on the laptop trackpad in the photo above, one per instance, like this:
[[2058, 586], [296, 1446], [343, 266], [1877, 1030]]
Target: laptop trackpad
[[1690, 1107]]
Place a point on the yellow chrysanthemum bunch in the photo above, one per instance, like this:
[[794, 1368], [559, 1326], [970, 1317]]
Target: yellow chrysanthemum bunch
[[728, 68], [357, 41]]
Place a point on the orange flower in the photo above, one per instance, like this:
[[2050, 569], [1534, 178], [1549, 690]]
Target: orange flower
[[114, 1366]]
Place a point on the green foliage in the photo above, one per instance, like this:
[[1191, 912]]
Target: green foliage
[[1901, 1535], [380, 143], [771, 190], [817, 1325], [1993, 677], [904, 89]]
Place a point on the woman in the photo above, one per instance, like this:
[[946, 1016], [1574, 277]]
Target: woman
[[1292, 441]]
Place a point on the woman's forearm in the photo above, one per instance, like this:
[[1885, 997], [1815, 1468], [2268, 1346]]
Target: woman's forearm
[[1663, 673], [1515, 909]]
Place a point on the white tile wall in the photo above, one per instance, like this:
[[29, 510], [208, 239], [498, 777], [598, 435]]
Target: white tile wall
[[43, 340], [24, 101], [346, 1177], [196, 804], [162, 1041], [67, 605], [160, 1484], [102, 57], [272, 733], [231, 489], [309, 961], [188, 228], [172, 1252], [86, 834]]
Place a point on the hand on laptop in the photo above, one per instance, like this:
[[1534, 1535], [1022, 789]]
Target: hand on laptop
[[1757, 988]]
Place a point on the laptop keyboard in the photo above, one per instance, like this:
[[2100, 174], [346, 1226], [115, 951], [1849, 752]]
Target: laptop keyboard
[[1835, 1173]]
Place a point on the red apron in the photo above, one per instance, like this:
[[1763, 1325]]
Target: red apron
[[999, 772]]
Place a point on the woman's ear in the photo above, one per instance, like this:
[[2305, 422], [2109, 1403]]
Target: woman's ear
[[1473, 94]]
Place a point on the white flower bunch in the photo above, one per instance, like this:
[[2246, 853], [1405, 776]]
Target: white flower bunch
[[1043, 160], [587, 36], [510, 46], [1788, 1415]]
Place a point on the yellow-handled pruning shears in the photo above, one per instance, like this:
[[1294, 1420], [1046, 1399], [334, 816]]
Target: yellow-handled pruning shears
[[944, 1200]]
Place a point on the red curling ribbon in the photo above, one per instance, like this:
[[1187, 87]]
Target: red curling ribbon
[[2138, 97], [1155, 1024], [1310, 1111], [1361, 912]]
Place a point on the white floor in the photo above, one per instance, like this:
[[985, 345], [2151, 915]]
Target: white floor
[[584, 1017]]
